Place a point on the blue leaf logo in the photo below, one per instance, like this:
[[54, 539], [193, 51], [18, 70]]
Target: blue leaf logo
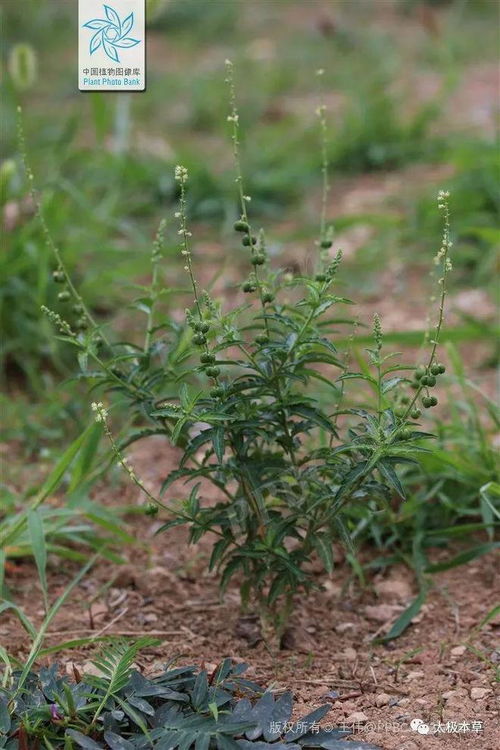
[[111, 33]]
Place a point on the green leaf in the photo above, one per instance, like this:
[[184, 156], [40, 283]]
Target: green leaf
[[314, 415], [463, 557], [404, 618], [37, 538], [218, 442], [4, 717], [391, 477], [82, 740], [323, 547]]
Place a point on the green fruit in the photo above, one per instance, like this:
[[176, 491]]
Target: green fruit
[[258, 259], [249, 240], [415, 414], [151, 509], [434, 401], [241, 226], [400, 411], [424, 380], [261, 338], [405, 434], [326, 244], [442, 369], [431, 381], [82, 324], [405, 399], [320, 277], [207, 359], [427, 402], [436, 369], [414, 385], [205, 327], [77, 309], [63, 296], [199, 339], [58, 277], [217, 392], [248, 287], [267, 297], [420, 372], [213, 372]]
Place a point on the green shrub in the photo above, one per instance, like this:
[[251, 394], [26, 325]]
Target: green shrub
[[246, 414]]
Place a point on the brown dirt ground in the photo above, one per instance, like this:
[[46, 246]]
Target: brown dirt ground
[[440, 670]]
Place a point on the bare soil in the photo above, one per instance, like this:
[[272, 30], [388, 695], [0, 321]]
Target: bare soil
[[442, 669]]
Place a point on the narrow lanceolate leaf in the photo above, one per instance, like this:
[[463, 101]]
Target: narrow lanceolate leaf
[[82, 740], [463, 557], [37, 538], [405, 618], [314, 415], [323, 547], [391, 477], [218, 442]]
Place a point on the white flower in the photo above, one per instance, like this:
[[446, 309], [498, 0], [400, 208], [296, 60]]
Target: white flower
[[101, 413], [181, 174]]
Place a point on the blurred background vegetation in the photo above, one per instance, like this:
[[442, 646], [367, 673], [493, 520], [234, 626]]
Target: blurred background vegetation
[[410, 87]]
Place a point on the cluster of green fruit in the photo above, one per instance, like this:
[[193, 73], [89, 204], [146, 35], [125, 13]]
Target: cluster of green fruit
[[81, 323], [425, 378], [258, 258]]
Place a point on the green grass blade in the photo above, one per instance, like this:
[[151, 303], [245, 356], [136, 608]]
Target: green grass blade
[[37, 538], [404, 618], [40, 636]]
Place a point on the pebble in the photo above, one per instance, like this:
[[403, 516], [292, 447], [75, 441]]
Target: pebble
[[358, 717], [382, 612], [382, 699], [350, 654], [477, 693], [343, 627], [458, 651], [416, 675], [393, 589]]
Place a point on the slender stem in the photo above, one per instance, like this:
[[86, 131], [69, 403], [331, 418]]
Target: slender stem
[[43, 223]]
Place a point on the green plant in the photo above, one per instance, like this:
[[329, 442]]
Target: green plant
[[33, 527], [248, 419], [180, 708], [453, 496]]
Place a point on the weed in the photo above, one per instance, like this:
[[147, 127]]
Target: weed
[[181, 707], [248, 419]]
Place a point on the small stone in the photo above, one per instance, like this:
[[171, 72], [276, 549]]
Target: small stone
[[382, 612], [458, 651], [125, 577], [397, 590], [343, 627], [150, 617], [358, 717], [415, 675], [350, 654], [477, 693], [449, 694], [382, 699]]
